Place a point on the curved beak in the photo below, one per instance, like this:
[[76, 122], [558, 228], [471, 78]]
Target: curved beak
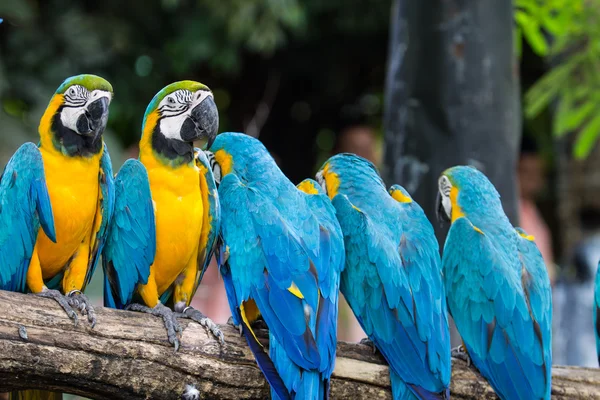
[[93, 121], [440, 213], [203, 122]]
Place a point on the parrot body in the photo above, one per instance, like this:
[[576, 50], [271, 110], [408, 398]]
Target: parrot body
[[281, 257], [497, 288], [392, 280], [597, 312], [167, 211], [64, 185]]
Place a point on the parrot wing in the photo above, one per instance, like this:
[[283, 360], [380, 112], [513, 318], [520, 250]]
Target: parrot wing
[[330, 259], [271, 269], [597, 312], [211, 221], [104, 213], [538, 294], [24, 206], [492, 311], [131, 240], [395, 291]]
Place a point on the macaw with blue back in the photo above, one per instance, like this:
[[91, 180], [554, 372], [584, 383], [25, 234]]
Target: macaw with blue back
[[497, 288], [56, 201], [281, 256], [167, 214], [597, 311], [393, 279]]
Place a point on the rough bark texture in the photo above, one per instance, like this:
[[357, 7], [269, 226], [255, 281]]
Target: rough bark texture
[[452, 97], [127, 356]]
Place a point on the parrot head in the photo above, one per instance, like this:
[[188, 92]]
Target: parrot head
[[463, 190], [77, 114], [400, 194], [346, 170], [179, 114]]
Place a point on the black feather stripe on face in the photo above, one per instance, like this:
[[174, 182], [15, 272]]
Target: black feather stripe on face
[[69, 142], [176, 151]]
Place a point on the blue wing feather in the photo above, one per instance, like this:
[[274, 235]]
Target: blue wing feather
[[107, 204], [597, 312], [24, 207], [393, 284], [131, 240], [496, 293]]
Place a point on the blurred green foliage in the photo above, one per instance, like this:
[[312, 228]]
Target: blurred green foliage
[[567, 34], [234, 46]]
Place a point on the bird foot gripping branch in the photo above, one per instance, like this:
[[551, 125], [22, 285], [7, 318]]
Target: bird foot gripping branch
[[197, 316]]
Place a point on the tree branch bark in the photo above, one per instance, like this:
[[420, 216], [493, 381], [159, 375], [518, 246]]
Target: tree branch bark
[[127, 356]]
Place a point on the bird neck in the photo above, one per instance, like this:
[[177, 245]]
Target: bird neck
[[154, 145]]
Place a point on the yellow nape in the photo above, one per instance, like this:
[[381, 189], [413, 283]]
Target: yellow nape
[[146, 155], [456, 210], [400, 197], [531, 238], [225, 161], [332, 181], [45, 126], [293, 289], [250, 313], [478, 230], [307, 187]]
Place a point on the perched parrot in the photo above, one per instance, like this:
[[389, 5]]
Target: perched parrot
[[497, 288], [597, 312], [281, 256], [65, 185], [167, 213], [393, 278]]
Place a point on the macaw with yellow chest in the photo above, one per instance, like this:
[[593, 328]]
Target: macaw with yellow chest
[[281, 256], [393, 277], [166, 216], [497, 288], [65, 185]]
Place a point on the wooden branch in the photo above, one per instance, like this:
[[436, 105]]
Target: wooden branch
[[127, 356]]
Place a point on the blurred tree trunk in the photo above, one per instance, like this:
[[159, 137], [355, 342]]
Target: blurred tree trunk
[[452, 97]]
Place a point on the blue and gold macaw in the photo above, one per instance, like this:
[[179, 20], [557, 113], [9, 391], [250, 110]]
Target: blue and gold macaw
[[393, 279], [65, 184], [167, 213], [497, 288], [597, 311], [281, 257]]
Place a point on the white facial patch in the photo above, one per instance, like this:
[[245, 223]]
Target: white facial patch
[[175, 109], [214, 166], [444, 186], [77, 99], [321, 180]]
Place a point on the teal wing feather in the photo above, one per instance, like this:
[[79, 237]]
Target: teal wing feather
[[107, 204], [24, 206], [131, 240], [597, 312], [393, 284], [495, 315]]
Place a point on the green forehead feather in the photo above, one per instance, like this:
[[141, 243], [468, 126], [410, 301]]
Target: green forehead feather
[[90, 82], [192, 86]]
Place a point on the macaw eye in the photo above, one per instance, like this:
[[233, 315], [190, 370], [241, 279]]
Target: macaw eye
[[170, 100], [72, 91]]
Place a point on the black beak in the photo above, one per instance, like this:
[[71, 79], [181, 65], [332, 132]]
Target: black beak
[[202, 123], [93, 121], [440, 213]]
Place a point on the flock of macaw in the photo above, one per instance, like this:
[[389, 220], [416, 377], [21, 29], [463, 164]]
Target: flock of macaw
[[284, 251]]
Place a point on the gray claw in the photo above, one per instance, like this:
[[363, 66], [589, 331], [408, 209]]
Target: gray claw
[[460, 353], [169, 319], [60, 299], [206, 322], [80, 301], [368, 342], [238, 327]]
